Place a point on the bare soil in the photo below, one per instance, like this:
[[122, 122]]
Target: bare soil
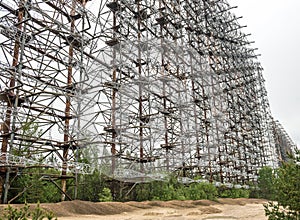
[[227, 209]]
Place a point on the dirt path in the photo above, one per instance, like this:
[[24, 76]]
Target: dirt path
[[227, 209], [215, 212], [223, 209]]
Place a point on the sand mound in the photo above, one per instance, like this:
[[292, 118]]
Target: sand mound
[[76, 207], [204, 202], [240, 201], [209, 210]]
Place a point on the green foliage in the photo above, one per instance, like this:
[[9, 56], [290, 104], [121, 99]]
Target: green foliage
[[24, 213], [197, 191], [233, 192], [287, 188], [105, 195], [39, 214], [91, 186], [266, 183], [11, 213], [173, 190], [28, 129], [154, 191], [276, 212], [34, 188], [27, 185]]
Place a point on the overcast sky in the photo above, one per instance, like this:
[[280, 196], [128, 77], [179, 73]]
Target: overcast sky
[[275, 28]]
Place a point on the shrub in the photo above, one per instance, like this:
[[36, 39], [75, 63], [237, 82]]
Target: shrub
[[174, 190], [276, 212], [105, 195], [233, 193], [24, 213], [91, 186], [197, 191]]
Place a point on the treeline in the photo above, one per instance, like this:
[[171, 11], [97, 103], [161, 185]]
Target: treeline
[[281, 185], [36, 186]]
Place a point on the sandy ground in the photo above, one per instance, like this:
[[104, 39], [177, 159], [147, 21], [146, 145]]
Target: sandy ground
[[227, 209]]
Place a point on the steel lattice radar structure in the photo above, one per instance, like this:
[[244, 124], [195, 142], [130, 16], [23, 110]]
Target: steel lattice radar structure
[[141, 88]]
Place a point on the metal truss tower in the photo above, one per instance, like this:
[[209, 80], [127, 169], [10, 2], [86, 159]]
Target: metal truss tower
[[283, 142], [144, 87]]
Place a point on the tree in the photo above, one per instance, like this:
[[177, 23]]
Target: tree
[[31, 187], [266, 183], [91, 186], [287, 186]]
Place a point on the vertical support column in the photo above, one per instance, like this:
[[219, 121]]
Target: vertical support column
[[114, 94], [140, 88], [9, 114], [113, 106], [67, 137], [80, 84], [166, 145]]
